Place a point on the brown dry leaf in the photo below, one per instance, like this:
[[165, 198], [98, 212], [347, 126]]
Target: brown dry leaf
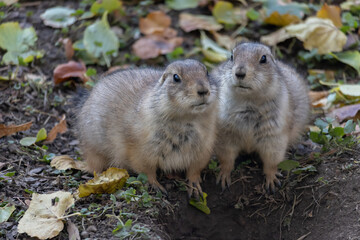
[[347, 112], [73, 231], [224, 40], [331, 12], [318, 33], [274, 38], [108, 181], [189, 22], [154, 22], [8, 130], [68, 47], [277, 19], [67, 71], [44, 217], [153, 46], [58, 128], [65, 162], [317, 95]]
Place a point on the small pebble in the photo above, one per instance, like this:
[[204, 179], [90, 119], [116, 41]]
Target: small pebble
[[84, 234], [91, 228], [36, 170]]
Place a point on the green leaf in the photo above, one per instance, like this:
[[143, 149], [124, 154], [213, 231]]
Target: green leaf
[[91, 72], [201, 204], [5, 213], [337, 132], [224, 12], [321, 124], [18, 43], [142, 178], [351, 58], [41, 135], [100, 40], [176, 54], [10, 174], [318, 138], [27, 141], [182, 4], [252, 14], [352, 90], [288, 165], [349, 127], [105, 6], [211, 50], [58, 17], [309, 168]]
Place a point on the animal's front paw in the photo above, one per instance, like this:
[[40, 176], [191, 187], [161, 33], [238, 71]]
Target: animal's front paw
[[194, 190], [271, 180], [225, 178]]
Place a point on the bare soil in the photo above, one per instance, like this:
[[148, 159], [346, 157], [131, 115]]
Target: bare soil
[[320, 205]]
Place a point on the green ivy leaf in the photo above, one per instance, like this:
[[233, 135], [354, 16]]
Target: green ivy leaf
[[252, 14], [182, 4], [27, 141], [100, 41], [5, 213], [309, 168], [288, 165], [18, 43], [349, 126], [58, 17], [337, 132], [351, 58], [105, 6]]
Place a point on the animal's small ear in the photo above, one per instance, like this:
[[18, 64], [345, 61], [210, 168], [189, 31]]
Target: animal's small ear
[[162, 79]]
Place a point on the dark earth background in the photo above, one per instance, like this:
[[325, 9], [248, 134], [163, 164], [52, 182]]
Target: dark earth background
[[320, 205]]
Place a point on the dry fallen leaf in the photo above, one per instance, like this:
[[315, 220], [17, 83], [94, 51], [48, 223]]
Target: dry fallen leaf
[[277, 19], [44, 217], [108, 181], [276, 37], [330, 12], [67, 71], [58, 128], [8, 130], [68, 47], [73, 231], [318, 33], [65, 162], [347, 112], [153, 46], [189, 22], [224, 40], [154, 22], [317, 95]]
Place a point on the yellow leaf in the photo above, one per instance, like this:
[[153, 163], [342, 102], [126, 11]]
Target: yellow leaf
[[65, 162], [107, 182], [201, 204], [318, 33], [330, 12], [224, 12], [277, 19], [44, 217]]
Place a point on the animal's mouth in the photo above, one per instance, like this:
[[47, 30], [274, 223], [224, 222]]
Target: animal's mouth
[[242, 86], [201, 104]]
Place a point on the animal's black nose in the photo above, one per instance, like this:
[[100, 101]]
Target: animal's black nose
[[240, 75], [203, 92]]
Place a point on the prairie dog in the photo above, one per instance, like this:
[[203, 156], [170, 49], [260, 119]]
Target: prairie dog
[[147, 119], [264, 107]]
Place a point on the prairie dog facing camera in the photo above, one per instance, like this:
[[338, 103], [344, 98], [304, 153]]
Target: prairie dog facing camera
[[145, 119], [264, 108]]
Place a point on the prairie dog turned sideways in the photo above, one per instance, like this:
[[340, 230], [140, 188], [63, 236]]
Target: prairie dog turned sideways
[[264, 107], [145, 119]]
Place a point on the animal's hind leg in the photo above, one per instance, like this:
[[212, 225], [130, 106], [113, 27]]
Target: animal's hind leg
[[95, 162]]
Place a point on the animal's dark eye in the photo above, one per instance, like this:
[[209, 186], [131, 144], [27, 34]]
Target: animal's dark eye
[[177, 78], [232, 57], [263, 59], [207, 73]]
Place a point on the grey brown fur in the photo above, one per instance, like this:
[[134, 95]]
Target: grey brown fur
[[143, 120], [264, 107]]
